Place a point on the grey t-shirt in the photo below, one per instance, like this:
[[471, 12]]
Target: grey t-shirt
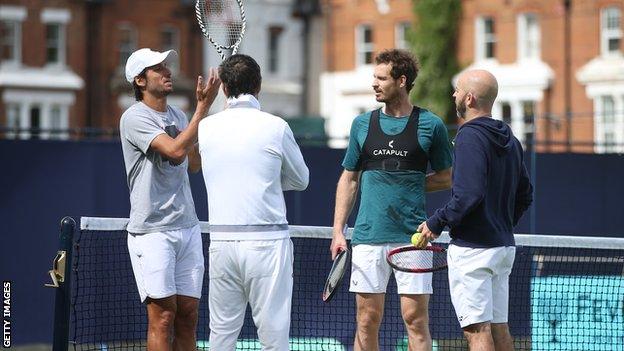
[[160, 194]]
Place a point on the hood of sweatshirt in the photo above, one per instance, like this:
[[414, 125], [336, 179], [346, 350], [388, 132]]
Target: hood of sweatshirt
[[497, 132]]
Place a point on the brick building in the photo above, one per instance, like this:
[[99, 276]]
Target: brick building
[[62, 62], [354, 32], [559, 64]]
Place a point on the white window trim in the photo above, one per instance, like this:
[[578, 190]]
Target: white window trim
[[400, 39], [606, 34], [62, 45], [481, 40], [518, 125], [135, 41], [176, 34], [175, 68], [617, 126], [52, 15], [362, 48], [15, 14], [524, 36], [45, 100]]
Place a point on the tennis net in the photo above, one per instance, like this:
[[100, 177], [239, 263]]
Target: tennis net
[[566, 293]]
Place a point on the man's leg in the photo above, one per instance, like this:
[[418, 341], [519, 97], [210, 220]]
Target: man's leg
[[500, 296], [269, 280], [189, 274], [502, 337], [415, 312], [226, 296], [479, 337], [185, 326], [370, 309], [160, 321]]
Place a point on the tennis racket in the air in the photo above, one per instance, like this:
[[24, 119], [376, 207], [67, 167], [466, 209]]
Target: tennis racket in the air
[[223, 23], [335, 274], [414, 259]]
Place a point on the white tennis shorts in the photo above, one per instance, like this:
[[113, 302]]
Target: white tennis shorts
[[370, 272], [168, 263], [479, 283]]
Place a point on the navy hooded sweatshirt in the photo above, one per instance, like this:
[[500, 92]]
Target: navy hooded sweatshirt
[[491, 188]]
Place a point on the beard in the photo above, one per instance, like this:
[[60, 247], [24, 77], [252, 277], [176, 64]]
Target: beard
[[460, 107]]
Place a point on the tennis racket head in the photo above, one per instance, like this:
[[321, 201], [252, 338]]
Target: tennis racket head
[[222, 22], [413, 259], [335, 274]]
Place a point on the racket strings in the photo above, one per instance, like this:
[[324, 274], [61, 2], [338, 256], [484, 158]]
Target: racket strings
[[419, 259], [337, 273], [222, 21]]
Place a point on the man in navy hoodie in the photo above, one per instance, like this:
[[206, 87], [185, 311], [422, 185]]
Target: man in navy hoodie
[[491, 190]]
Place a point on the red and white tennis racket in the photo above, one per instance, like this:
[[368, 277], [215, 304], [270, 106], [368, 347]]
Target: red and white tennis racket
[[414, 259]]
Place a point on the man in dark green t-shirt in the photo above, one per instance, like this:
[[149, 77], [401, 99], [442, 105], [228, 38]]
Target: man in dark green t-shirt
[[388, 153]]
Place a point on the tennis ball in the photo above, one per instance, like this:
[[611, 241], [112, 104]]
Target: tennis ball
[[418, 240]]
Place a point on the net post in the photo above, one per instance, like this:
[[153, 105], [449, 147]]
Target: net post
[[62, 298]]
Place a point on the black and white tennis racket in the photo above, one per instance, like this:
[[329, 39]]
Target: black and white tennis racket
[[335, 274], [414, 259], [223, 23]]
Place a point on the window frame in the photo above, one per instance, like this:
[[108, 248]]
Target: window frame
[[483, 40], [59, 18], [529, 38], [611, 124], [273, 48], [124, 50], [363, 48], [14, 16], [608, 34], [400, 34]]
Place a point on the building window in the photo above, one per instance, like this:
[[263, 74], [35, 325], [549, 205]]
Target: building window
[[506, 112], [275, 33], [11, 18], [13, 120], [528, 36], [611, 30], [55, 21], [127, 43], [9, 41], [485, 38], [37, 114], [609, 124], [170, 40], [401, 35], [55, 43], [528, 117], [364, 44]]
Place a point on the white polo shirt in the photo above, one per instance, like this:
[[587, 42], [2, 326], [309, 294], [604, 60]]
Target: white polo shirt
[[249, 158]]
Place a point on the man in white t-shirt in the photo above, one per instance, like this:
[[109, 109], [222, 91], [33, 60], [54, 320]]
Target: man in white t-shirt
[[249, 158], [164, 239]]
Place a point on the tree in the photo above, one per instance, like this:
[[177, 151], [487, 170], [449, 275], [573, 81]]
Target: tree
[[433, 41]]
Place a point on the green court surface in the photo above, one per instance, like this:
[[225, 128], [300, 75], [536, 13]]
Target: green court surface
[[296, 344]]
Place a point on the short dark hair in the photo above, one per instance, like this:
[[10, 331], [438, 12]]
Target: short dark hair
[[404, 63], [138, 93], [240, 74]]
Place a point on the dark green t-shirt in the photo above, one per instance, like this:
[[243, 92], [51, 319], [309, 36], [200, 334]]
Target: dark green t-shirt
[[392, 204]]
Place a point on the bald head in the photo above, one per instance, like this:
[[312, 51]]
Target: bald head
[[482, 85]]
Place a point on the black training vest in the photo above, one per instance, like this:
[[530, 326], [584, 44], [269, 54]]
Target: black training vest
[[393, 152]]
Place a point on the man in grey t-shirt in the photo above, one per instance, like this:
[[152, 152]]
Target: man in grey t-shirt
[[164, 239]]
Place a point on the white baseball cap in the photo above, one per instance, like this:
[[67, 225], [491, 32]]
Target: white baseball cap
[[143, 58]]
